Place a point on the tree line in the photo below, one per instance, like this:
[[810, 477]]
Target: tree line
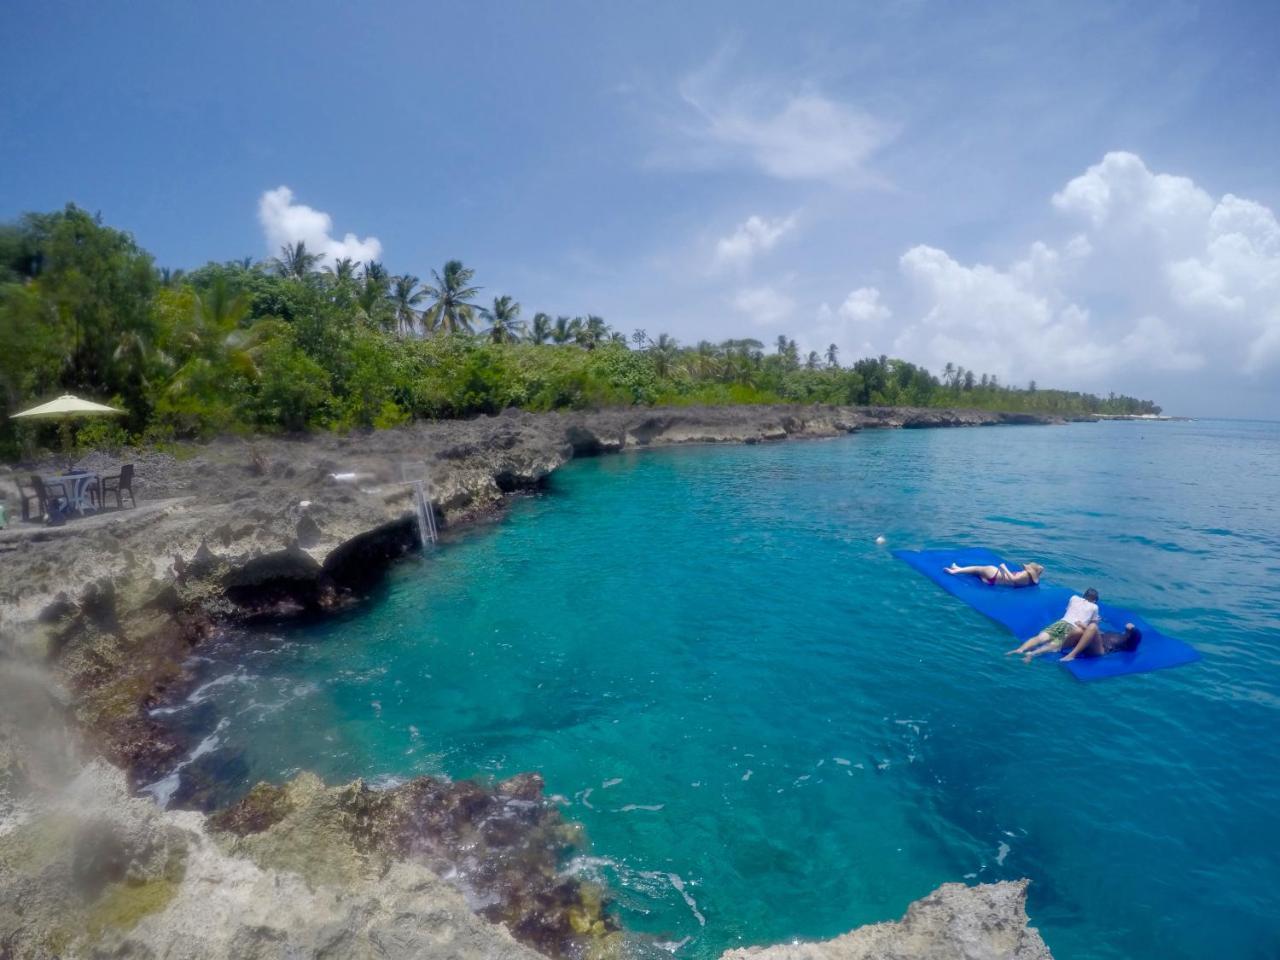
[[294, 344]]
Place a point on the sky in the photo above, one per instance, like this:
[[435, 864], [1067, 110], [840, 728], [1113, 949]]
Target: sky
[[1083, 194]]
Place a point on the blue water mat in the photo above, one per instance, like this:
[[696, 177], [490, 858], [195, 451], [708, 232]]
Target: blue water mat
[[1027, 610]]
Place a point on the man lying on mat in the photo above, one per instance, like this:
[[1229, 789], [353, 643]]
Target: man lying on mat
[[1080, 615], [1098, 643]]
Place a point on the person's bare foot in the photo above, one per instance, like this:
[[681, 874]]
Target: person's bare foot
[[1069, 657], [951, 569], [1010, 653], [1026, 658]]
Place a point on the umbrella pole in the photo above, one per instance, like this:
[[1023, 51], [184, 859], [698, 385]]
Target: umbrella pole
[[64, 431]]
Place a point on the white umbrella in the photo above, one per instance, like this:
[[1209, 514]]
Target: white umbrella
[[67, 405], [64, 408]]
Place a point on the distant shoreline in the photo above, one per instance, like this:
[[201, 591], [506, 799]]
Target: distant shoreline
[[1141, 416]]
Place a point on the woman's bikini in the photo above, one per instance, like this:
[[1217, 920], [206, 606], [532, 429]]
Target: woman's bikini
[[1009, 579]]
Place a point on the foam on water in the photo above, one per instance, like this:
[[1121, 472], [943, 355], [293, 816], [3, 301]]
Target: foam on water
[[720, 673]]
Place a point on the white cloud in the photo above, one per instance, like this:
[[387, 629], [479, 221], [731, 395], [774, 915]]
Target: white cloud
[[284, 221], [791, 135], [863, 306], [853, 326], [753, 236], [764, 305], [1164, 280], [1013, 323]]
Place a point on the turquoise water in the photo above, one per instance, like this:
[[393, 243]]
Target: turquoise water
[[771, 729]]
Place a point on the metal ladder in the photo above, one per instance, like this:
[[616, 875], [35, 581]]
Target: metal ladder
[[427, 530]]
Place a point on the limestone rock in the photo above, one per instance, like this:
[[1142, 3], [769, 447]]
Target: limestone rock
[[955, 922]]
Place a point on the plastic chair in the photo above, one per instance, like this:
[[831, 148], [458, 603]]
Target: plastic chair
[[122, 482], [25, 497], [44, 495]]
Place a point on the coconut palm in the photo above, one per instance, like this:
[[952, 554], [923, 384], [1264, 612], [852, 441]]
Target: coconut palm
[[705, 359], [405, 297], [833, 356], [663, 351], [452, 310], [342, 270], [565, 329], [372, 297], [812, 360], [504, 320], [592, 331], [640, 339], [295, 261], [540, 331], [219, 309]]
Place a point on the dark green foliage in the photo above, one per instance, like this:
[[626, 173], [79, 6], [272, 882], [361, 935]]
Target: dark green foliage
[[244, 346]]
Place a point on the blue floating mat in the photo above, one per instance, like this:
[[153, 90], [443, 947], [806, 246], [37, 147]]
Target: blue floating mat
[[1027, 610]]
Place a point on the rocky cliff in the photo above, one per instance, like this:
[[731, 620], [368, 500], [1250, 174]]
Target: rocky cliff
[[234, 530], [955, 922]]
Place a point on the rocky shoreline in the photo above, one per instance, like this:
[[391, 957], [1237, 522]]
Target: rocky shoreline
[[238, 530]]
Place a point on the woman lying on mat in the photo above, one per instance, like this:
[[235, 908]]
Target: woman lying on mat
[[1028, 576]]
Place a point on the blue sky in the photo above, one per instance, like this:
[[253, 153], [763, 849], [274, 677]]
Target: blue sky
[[1082, 194]]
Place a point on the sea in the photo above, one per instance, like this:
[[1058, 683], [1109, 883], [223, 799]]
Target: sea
[[773, 730]]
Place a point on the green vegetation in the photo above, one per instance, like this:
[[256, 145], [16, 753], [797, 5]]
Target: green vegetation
[[245, 346]]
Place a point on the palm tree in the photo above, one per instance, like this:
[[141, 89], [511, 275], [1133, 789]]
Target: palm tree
[[452, 310], [565, 329], [833, 356], [169, 277], [811, 362], [405, 297], [540, 332], [295, 261], [591, 332], [663, 352], [220, 310], [949, 373], [372, 298], [504, 320], [639, 338], [705, 358], [344, 269], [781, 344]]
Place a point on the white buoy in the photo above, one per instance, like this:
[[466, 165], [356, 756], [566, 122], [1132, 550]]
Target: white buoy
[[880, 540]]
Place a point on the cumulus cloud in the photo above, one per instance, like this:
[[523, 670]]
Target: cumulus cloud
[[1156, 279], [853, 326], [753, 236], [1014, 322], [284, 221], [765, 306], [863, 307], [798, 134]]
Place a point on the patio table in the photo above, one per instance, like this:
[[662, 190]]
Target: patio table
[[77, 486]]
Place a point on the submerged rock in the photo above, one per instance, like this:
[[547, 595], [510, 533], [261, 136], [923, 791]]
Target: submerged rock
[[955, 922], [500, 847], [96, 873]]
